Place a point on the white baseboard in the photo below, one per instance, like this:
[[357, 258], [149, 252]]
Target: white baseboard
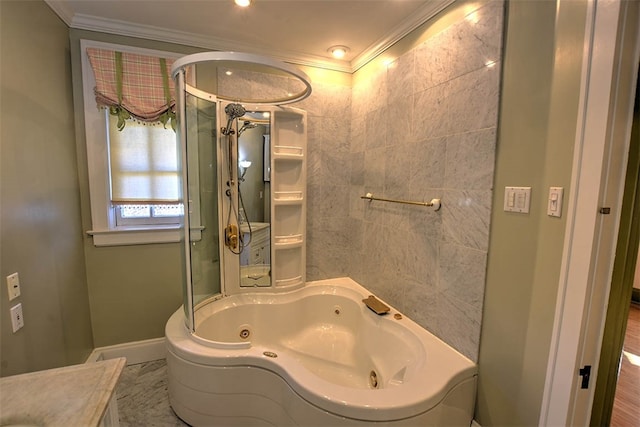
[[135, 352], [474, 423]]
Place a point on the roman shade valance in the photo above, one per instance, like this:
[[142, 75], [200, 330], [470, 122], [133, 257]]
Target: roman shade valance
[[133, 86]]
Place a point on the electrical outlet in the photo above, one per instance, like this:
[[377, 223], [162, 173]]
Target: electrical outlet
[[13, 286], [17, 321]]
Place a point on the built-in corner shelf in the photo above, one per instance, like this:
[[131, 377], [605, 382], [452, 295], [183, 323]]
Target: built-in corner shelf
[[292, 282], [288, 197], [293, 241], [288, 210], [285, 152]]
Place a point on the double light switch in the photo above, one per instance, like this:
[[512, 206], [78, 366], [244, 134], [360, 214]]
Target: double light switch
[[517, 199]]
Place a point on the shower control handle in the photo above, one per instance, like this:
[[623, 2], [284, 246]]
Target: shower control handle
[[231, 236]]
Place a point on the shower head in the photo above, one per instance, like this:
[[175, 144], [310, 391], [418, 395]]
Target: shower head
[[247, 125], [233, 112]]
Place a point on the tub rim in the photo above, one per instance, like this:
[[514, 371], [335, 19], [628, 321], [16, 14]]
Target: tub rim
[[420, 394]]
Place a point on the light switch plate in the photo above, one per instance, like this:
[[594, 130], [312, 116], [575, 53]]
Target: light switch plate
[[13, 286], [517, 199], [554, 204]]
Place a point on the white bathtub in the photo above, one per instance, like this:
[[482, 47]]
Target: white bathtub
[[316, 356]]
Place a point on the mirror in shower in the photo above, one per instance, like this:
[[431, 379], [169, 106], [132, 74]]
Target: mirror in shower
[[254, 198]]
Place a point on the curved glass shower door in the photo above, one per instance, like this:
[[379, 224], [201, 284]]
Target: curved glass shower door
[[202, 196]]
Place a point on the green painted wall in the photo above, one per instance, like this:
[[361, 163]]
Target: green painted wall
[[133, 290], [540, 91], [40, 206]]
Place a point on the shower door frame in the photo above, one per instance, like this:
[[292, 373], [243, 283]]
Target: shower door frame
[[185, 238], [189, 304]]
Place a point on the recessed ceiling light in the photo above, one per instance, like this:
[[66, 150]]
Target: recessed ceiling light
[[242, 3], [338, 52]]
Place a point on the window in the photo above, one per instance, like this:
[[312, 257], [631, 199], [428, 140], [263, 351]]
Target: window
[[148, 214], [134, 171], [144, 173]]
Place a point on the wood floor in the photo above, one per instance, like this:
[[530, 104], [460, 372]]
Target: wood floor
[[626, 407]]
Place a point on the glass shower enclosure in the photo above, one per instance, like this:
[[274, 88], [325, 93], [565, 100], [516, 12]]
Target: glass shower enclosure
[[244, 176]]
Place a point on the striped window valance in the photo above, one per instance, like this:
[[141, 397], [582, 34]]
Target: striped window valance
[[133, 86]]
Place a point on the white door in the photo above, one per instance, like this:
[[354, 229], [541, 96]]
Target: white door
[[603, 132]]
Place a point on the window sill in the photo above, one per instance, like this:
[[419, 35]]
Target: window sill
[[126, 236]]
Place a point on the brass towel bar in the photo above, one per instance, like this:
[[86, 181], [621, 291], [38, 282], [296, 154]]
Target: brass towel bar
[[434, 203]]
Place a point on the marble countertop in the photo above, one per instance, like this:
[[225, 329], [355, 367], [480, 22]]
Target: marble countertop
[[70, 396]]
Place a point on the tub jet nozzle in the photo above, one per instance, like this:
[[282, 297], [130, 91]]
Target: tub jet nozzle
[[373, 379]]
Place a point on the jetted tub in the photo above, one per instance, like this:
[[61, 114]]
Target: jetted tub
[[315, 356]]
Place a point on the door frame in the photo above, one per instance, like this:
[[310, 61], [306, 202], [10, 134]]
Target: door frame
[[621, 292], [582, 294]]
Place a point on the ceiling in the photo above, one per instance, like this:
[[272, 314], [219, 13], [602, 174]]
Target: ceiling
[[296, 31]]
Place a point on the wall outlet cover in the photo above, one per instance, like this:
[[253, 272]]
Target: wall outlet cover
[[13, 286], [17, 320]]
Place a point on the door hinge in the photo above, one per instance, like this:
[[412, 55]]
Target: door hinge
[[605, 211], [585, 373]]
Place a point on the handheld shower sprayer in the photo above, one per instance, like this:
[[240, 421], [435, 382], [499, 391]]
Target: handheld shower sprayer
[[233, 111], [247, 125], [233, 239]]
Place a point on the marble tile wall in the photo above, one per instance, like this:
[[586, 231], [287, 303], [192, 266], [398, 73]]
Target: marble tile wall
[[423, 128], [329, 232]]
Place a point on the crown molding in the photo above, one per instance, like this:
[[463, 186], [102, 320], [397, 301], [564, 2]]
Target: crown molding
[[61, 9], [150, 32], [422, 15]]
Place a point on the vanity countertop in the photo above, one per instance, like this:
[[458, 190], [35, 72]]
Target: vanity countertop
[[70, 396], [255, 226]]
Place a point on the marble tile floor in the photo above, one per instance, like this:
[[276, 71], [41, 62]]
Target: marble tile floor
[[143, 397]]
